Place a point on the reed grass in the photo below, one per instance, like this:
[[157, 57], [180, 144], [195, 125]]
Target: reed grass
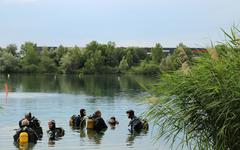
[[200, 109]]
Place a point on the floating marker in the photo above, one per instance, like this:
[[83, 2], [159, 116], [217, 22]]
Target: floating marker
[[6, 91], [6, 88]]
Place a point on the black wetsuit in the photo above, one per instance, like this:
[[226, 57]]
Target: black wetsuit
[[80, 122], [35, 125], [99, 124], [135, 124], [55, 133]]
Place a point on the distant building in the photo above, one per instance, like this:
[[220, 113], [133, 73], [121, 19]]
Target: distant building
[[170, 50]]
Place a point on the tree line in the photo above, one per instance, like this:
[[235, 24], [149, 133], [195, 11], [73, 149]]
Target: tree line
[[95, 58]]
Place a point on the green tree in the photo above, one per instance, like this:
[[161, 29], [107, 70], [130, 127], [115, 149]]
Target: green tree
[[94, 63], [65, 63], [8, 63], [77, 58], [47, 65], [184, 54], [181, 55], [157, 53], [146, 68], [111, 55], [129, 57], [31, 59], [168, 64], [123, 66], [135, 55], [91, 48], [58, 54], [12, 48], [26, 46], [73, 61], [1, 50]]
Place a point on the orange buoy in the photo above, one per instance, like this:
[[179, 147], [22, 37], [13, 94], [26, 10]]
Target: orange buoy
[[6, 88]]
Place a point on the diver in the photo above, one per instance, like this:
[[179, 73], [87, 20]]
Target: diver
[[54, 133], [99, 123], [27, 116], [25, 134], [80, 120], [135, 123], [113, 122], [34, 123]]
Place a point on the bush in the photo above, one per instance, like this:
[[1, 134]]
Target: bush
[[31, 68], [146, 68], [108, 70]]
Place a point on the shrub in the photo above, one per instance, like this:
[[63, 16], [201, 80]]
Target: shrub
[[146, 68]]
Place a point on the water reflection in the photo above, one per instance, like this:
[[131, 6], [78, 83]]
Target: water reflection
[[24, 146], [91, 135], [82, 133], [95, 136], [6, 91], [51, 143], [133, 135], [97, 85], [112, 126]]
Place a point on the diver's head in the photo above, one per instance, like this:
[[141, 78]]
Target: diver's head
[[98, 113], [28, 116], [113, 118], [51, 124], [130, 113], [25, 122], [82, 112]]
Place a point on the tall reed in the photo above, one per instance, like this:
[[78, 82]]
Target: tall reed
[[201, 109]]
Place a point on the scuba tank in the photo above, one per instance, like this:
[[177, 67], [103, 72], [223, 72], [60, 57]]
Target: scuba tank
[[72, 120], [145, 124], [23, 137], [90, 123], [59, 132]]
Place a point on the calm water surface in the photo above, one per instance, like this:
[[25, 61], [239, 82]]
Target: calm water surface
[[59, 97]]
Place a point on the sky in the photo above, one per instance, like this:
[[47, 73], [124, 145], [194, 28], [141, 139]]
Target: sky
[[143, 23]]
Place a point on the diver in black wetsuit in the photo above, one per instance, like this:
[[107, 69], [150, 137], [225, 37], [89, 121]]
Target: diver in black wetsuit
[[53, 132], [80, 120], [99, 123], [135, 123], [34, 124], [32, 136]]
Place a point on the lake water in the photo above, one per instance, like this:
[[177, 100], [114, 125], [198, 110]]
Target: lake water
[[59, 97]]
